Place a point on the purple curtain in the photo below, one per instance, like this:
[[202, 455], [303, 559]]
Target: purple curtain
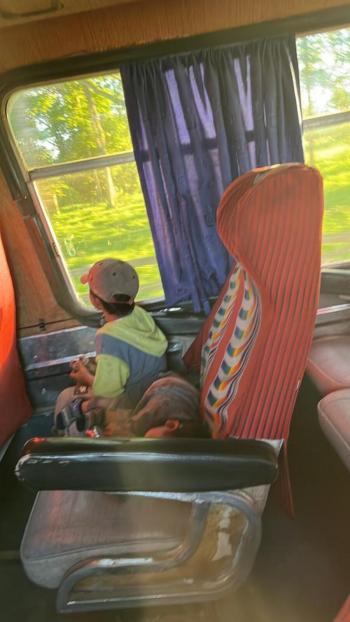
[[199, 120]]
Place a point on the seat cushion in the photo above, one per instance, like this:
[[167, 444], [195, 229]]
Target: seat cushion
[[334, 415], [329, 363], [66, 527]]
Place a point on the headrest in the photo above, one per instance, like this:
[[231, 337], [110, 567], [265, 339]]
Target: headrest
[[264, 202]]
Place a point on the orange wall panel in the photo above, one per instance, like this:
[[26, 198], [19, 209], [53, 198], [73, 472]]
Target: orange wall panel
[[138, 23], [26, 256]]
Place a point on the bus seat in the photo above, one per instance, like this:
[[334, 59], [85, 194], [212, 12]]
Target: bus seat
[[274, 235], [329, 363], [334, 417], [15, 407], [270, 220], [107, 515], [329, 369]]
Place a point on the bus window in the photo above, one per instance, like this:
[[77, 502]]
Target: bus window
[[73, 141], [324, 64]]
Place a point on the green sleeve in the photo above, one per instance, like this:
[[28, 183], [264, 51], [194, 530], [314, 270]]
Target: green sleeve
[[111, 376]]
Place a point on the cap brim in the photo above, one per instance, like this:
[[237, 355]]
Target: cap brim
[[84, 278]]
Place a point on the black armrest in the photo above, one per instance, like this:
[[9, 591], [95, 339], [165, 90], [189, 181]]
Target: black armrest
[[128, 465]]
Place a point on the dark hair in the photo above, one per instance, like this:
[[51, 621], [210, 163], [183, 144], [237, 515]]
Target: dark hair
[[119, 307]]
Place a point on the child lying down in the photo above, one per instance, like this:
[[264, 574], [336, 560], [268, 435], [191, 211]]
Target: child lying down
[[168, 408]]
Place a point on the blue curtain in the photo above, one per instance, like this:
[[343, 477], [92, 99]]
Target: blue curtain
[[199, 120]]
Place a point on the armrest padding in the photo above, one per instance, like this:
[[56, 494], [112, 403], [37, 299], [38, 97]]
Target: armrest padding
[[162, 465]]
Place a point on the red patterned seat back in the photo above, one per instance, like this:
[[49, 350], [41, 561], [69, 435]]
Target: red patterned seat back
[[254, 345], [15, 408]]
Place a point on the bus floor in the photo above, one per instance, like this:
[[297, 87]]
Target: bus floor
[[301, 573]]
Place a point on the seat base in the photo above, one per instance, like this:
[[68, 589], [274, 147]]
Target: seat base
[[66, 527]]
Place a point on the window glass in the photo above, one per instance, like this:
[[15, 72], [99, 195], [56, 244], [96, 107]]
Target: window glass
[[74, 142], [324, 61], [328, 149], [90, 225], [70, 121]]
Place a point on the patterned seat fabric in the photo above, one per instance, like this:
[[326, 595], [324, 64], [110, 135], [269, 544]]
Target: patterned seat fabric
[[252, 349]]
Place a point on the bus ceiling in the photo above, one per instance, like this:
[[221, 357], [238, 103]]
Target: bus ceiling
[[20, 11]]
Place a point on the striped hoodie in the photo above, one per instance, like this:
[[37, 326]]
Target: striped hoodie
[[130, 353]]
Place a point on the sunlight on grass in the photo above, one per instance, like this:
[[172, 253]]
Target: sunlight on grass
[[328, 149], [87, 232]]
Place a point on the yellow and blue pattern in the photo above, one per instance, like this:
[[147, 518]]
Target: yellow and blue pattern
[[240, 307]]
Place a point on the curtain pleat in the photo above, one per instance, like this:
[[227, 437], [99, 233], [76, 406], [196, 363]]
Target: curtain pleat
[[198, 121]]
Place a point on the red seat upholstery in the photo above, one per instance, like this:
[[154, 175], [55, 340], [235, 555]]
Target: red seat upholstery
[[329, 363], [334, 417], [15, 407], [254, 345], [344, 613]]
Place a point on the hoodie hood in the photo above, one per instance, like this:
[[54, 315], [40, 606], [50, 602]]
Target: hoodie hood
[[138, 329]]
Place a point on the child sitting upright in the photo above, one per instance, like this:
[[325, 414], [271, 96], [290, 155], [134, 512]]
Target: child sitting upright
[[130, 348]]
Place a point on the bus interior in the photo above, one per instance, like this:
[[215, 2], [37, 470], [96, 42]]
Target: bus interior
[[150, 131]]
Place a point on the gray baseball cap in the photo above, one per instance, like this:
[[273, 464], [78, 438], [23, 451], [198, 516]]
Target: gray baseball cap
[[109, 277]]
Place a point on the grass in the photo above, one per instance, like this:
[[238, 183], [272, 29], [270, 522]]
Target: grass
[[87, 233]]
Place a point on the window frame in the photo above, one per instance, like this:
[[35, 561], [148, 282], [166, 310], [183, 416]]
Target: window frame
[[17, 177]]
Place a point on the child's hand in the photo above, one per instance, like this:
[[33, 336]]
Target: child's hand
[[80, 374]]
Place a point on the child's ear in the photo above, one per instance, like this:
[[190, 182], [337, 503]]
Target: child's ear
[[167, 429], [172, 425]]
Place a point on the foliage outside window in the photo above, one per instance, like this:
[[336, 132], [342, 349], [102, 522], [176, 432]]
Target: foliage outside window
[[324, 63], [74, 142]]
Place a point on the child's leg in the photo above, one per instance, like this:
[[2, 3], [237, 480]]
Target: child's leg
[[63, 399]]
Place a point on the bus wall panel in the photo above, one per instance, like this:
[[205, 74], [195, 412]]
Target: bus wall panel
[[139, 23], [36, 305]]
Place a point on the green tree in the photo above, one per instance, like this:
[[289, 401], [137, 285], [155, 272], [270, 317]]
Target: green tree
[[313, 72], [340, 79], [324, 64], [73, 120]]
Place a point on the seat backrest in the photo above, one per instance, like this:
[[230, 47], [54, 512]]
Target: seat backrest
[[15, 408], [254, 345]]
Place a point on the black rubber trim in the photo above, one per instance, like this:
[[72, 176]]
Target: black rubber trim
[[149, 465]]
